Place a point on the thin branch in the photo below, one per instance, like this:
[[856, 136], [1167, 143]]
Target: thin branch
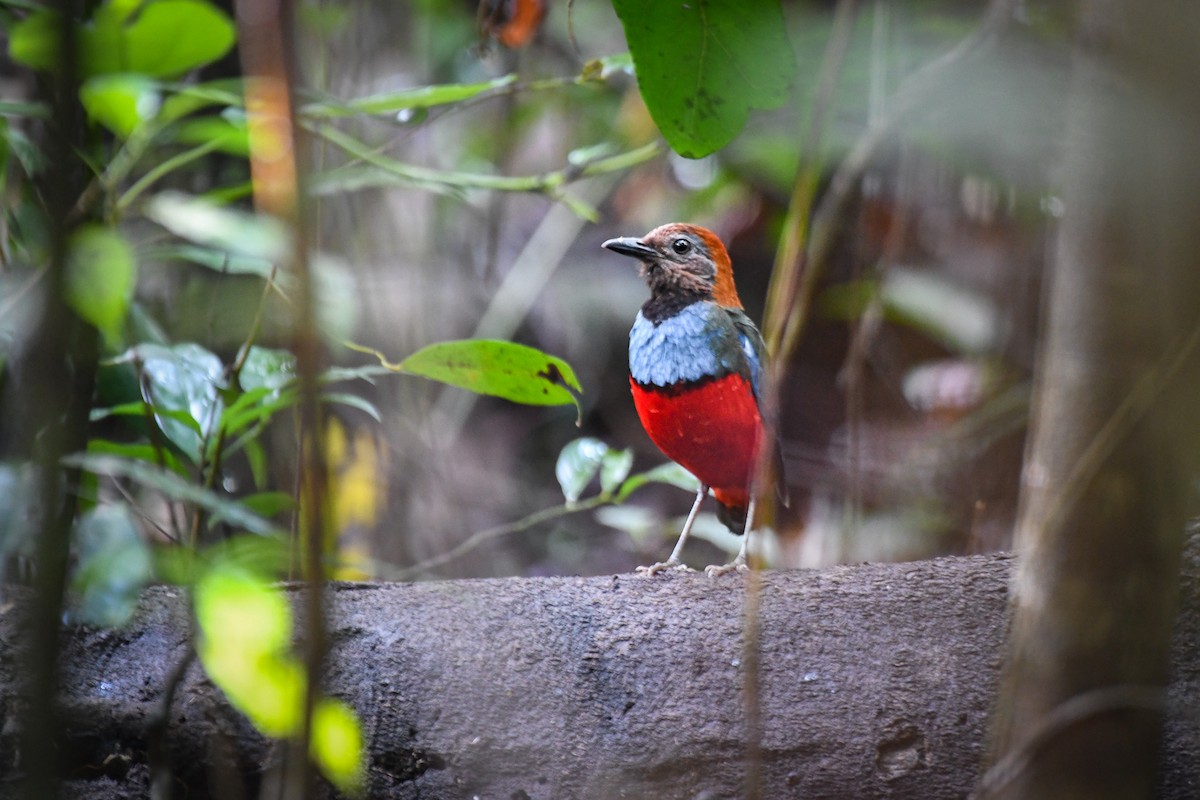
[[162, 169], [548, 183], [479, 537]]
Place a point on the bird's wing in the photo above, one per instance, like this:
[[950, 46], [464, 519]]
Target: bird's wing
[[752, 347], [755, 352]]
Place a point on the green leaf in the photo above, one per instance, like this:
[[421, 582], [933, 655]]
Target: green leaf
[[138, 451], [160, 39], [227, 133], [100, 41], [174, 487], [33, 41], [268, 504], [182, 378], [702, 65], [353, 401], [213, 258], [393, 102], [170, 37], [501, 369], [252, 409], [266, 557], [191, 97], [114, 565], [206, 223], [256, 459], [27, 153], [614, 468], [337, 745], [100, 278], [577, 464], [669, 473], [120, 102], [267, 368], [245, 631]]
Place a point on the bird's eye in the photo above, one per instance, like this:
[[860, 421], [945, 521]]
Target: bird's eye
[[681, 245]]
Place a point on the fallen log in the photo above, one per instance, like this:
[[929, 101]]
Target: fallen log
[[876, 681]]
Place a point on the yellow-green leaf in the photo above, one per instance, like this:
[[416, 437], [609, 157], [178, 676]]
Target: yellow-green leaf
[[100, 278], [502, 369], [245, 631], [120, 102], [337, 744]]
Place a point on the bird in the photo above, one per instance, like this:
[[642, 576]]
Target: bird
[[696, 372]]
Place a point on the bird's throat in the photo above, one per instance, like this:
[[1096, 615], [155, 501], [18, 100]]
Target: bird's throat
[[666, 303]]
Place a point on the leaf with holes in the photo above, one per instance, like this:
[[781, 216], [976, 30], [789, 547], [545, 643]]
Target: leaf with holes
[[501, 369], [702, 65]]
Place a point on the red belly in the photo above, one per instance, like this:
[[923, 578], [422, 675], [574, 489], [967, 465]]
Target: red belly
[[712, 428]]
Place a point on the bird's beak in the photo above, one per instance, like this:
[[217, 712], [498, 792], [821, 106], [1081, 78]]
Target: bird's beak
[[629, 246]]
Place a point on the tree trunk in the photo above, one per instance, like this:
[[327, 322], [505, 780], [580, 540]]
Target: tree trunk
[[876, 682], [1110, 477]]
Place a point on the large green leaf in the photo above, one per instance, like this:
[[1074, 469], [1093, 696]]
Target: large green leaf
[[502, 369], [182, 383], [100, 278], [170, 37], [702, 65], [161, 39]]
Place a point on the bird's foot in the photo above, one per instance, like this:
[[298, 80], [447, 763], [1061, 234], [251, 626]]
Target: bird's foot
[[717, 570], [663, 566]]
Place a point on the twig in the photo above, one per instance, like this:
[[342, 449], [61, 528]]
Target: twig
[[548, 183], [479, 537]]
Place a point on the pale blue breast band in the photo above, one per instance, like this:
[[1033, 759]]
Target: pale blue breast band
[[698, 342]]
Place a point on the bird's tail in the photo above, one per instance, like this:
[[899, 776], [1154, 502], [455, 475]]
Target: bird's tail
[[734, 517], [732, 508]]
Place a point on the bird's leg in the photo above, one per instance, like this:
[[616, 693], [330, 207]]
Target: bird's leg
[[673, 562], [739, 563]]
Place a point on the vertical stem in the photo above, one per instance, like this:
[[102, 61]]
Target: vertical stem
[[265, 28], [788, 276], [62, 369]]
